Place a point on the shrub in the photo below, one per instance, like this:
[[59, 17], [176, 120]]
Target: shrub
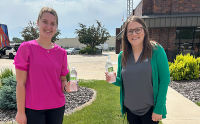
[[68, 75], [169, 64], [87, 50], [82, 51], [184, 67], [8, 93], [198, 62], [6, 72]]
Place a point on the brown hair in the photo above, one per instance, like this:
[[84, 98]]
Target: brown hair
[[147, 44], [49, 10]]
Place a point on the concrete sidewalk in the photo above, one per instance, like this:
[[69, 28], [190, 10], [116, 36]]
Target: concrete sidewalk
[[181, 110]]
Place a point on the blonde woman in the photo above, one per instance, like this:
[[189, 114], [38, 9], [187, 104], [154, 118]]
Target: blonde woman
[[41, 69]]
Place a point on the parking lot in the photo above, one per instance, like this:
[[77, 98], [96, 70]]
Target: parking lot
[[87, 66]]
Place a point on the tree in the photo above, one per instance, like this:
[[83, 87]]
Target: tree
[[92, 36], [17, 40], [31, 32], [55, 37]]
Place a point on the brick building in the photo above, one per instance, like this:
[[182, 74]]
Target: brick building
[[175, 24]]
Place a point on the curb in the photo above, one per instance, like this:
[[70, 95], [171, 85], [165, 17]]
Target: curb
[[71, 111], [84, 105]]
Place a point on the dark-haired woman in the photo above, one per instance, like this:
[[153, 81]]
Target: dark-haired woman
[[143, 75]]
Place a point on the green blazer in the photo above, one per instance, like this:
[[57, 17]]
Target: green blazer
[[160, 77]]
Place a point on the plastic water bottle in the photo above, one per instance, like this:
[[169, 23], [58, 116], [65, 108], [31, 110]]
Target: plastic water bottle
[[73, 79], [14, 122], [110, 70]]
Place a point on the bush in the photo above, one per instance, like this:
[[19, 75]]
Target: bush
[[87, 50], [82, 51], [184, 67], [6, 72], [198, 62], [8, 93], [169, 64], [68, 75]]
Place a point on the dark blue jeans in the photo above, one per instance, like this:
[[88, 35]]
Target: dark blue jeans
[[48, 116], [144, 119]]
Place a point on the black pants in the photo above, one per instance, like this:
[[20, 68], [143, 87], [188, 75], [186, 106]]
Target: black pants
[[144, 119], [48, 116]]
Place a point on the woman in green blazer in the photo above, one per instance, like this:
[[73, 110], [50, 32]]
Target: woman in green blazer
[[143, 75]]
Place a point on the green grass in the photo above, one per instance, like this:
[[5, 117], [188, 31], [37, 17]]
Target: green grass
[[104, 110], [6, 72], [198, 103]]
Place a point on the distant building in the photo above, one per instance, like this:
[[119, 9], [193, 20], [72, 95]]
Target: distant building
[[74, 42], [175, 24]]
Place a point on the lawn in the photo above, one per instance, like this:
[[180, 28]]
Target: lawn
[[104, 110], [198, 103]]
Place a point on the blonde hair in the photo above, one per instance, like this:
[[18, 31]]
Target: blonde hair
[[49, 10]]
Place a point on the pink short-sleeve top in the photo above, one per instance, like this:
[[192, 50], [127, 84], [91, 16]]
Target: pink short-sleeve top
[[44, 68]]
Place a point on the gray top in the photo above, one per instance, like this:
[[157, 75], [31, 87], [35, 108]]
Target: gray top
[[137, 80]]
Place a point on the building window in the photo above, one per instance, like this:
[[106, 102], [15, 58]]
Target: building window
[[177, 42], [187, 41], [197, 42]]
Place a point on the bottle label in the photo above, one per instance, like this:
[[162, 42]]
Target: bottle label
[[72, 78], [110, 69]]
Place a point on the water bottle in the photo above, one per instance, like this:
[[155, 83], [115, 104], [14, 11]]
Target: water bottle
[[110, 70], [14, 122], [73, 79]]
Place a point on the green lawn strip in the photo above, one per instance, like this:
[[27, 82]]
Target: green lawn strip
[[198, 103], [104, 110]]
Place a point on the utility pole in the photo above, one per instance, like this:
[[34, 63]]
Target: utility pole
[[129, 7]]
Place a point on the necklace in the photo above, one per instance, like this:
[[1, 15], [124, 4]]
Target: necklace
[[52, 45]]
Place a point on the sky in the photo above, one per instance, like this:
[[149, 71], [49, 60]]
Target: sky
[[16, 14]]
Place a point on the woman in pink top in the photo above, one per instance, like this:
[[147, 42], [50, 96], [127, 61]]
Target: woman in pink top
[[41, 69]]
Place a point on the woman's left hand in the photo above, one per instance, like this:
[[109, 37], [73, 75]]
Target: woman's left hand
[[156, 117]]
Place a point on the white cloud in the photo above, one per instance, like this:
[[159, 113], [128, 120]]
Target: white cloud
[[17, 13]]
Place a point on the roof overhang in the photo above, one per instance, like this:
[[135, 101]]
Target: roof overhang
[[162, 21]]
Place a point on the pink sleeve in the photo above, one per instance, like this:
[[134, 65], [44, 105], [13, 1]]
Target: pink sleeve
[[64, 70], [21, 60]]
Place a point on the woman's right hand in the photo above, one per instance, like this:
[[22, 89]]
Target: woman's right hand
[[108, 76], [21, 118]]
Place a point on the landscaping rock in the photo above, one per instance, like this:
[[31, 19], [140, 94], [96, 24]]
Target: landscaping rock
[[73, 100], [188, 88]]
